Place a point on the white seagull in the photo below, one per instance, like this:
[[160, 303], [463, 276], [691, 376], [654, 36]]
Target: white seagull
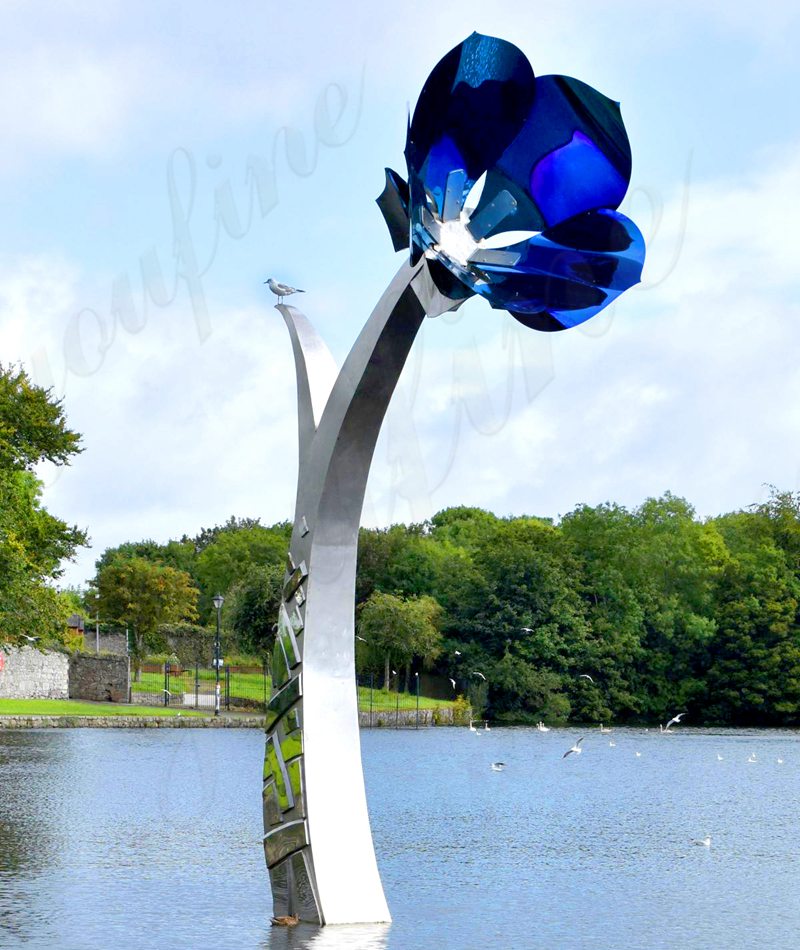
[[576, 749], [585, 676], [498, 766], [281, 290], [478, 673], [453, 682], [457, 652], [703, 842], [674, 721]]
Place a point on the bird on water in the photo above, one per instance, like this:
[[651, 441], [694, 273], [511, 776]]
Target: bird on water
[[281, 290]]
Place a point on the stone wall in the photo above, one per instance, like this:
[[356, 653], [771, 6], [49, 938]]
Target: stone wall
[[131, 722], [102, 679], [406, 718], [30, 674], [109, 642]]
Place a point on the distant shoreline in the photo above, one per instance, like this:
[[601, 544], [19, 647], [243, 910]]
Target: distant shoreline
[[130, 722]]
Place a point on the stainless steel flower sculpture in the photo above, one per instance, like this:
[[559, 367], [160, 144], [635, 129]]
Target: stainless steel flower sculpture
[[512, 194], [514, 182]]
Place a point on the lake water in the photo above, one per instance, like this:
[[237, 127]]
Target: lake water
[[151, 839]]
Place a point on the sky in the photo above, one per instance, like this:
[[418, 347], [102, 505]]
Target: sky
[[161, 160]]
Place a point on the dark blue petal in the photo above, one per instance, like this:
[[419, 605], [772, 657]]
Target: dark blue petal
[[570, 271], [574, 178], [474, 102], [572, 154]]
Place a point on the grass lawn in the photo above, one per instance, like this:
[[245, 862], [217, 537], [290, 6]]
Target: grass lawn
[[70, 707], [383, 700], [251, 685], [242, 684]]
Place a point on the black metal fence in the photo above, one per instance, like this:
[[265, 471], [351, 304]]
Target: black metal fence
[[395, 703], [195, 687]]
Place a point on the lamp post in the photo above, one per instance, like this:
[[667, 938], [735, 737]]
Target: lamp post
[[219, 600]]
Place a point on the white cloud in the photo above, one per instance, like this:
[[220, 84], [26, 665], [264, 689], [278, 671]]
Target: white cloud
[[688, 383]]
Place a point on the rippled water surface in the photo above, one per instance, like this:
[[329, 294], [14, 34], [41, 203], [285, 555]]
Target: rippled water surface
[[130, 839]]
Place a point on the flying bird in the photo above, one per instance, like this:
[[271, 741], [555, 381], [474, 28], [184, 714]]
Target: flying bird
[[527, 629], [498, 766], [281, 290], [585, 676], [478, 673], [453, 682], [674, 721], [457, 652], [360, 638], [576, 749]]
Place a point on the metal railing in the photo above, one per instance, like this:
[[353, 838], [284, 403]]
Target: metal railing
[[248, 688], [395, 703], [194, 687]]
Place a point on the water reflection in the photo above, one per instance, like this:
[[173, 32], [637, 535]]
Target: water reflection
[[151, 840], [339, 937]]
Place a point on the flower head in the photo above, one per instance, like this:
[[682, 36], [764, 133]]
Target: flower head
[[513, 187]]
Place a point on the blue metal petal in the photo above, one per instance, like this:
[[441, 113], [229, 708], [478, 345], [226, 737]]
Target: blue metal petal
[[476, 100], [572, 154], [571, 271]]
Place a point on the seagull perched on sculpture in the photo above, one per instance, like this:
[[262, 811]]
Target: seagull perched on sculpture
[[281, 290]]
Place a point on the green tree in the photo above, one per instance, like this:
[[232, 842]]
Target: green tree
[[754, 673], [252, 608], [33, 543], [396, 629], [228, 558], [142, 595]]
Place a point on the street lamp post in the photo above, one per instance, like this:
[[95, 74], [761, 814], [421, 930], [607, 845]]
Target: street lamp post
[[219, 600]]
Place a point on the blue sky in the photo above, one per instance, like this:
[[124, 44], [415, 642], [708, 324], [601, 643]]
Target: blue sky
[[135, 241]]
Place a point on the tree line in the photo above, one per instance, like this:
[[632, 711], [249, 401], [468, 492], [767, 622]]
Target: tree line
[[608, 614]]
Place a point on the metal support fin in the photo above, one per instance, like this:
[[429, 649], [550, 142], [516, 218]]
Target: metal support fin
[[316, 372], [318, 842]]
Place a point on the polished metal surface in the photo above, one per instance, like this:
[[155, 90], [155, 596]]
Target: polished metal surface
[[318, 842]]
